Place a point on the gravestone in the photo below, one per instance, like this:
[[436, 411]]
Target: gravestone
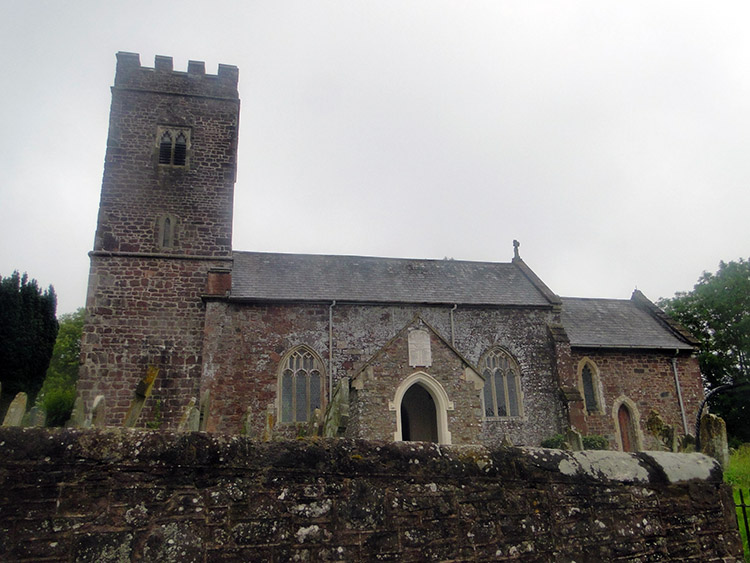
[[98, 412], [337, 414], [714, 438], [37, 417], [16, 410], [78, 414], [193, 419], [142, 392], [247, 423], [574, 439], [268, 430], [183, 426]]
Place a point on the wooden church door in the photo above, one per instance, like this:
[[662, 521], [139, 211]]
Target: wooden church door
[[627, 432]]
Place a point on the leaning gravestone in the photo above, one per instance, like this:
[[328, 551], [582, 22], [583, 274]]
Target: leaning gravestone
[[184, 424], [16, 410]]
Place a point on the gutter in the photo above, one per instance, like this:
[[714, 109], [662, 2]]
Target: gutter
[[679, 391], [330, 350], [453, 329]]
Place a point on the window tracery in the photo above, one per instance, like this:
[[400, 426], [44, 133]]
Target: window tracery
[[502, 392], [173, 144], [300, 386]]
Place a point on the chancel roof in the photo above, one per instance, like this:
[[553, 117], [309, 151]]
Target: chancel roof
[[308, 277], [617, 323]]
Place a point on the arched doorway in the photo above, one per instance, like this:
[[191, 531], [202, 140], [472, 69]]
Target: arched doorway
[[418, 415], [423, 399], [627, 431]]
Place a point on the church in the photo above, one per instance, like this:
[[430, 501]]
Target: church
[[445, 351]]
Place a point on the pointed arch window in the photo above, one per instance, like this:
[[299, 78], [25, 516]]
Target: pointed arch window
[[300, 385], [173, 144], [589, 386], [502, 394], [166, 231]]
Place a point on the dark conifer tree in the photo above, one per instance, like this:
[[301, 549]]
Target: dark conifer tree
[[28, 329]]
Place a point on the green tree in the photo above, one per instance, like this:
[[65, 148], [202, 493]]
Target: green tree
[[59, 390], [717, 312], [28, 329]]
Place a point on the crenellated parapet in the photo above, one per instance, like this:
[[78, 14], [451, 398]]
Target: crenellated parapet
[[163, 78]]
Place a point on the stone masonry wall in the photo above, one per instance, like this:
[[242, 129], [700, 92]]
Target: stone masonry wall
[[244, 344], [109, 496], [137, 190], [646, 379], [141, 313], [144, 307]]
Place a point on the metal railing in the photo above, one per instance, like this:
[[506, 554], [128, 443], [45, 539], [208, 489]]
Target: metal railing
[[742, 507]]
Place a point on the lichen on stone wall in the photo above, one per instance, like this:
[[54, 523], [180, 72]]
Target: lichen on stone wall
[[127, 495]]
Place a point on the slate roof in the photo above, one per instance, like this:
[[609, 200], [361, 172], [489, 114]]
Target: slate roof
[[615, 323], [309, 277]]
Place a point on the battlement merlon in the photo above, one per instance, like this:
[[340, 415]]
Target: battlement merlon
[[163, 78]]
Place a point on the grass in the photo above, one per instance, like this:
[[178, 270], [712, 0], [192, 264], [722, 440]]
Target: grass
[[738, 475]]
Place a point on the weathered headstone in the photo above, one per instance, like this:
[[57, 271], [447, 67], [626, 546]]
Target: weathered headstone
[[505, 442], [194, 419], [183, 424], [142, 392], [664, 432], [268, 430], [314, 424], [714, 438], [247, 423], [78, 414], [36, 417], [16, 410], [98, 412], [574, 439], [337, 413]]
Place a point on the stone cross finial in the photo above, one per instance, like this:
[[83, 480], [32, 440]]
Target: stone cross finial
[[516, 244]]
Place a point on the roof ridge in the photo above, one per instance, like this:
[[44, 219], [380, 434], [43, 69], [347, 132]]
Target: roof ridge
[[368, 257]]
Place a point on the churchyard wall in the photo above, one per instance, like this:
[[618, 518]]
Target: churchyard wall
[[130, 495]]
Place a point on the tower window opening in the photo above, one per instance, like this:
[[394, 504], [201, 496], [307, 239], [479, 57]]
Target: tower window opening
[[180, 150], [173, 146], [165, 148]]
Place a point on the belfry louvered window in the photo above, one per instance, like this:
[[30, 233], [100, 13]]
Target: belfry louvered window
[[301, 386], [173, 145], [502, 385]]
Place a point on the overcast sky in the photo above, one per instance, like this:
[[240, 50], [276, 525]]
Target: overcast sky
[[611, 138]]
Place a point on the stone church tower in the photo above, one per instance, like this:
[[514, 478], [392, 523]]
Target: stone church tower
[[164, 227]]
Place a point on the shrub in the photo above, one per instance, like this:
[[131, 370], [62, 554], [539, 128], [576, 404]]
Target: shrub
[[58, 404], [557, 442], [595, 442]]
